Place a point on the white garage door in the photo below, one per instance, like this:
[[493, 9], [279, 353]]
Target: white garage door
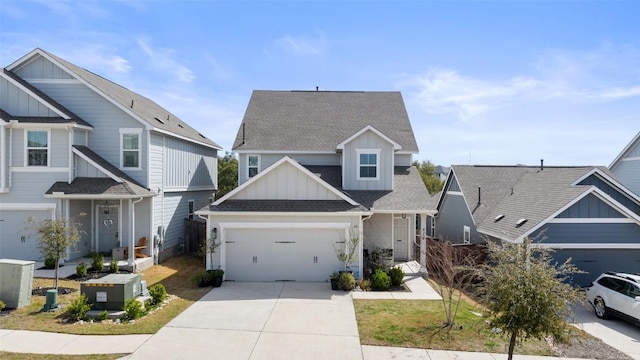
[[17, 239], [282, 254]]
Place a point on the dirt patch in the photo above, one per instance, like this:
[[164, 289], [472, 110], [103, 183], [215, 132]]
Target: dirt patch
[[589, 348]]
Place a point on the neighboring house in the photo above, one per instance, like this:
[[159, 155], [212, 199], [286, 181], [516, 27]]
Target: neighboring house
[[76, 144], [626, 166], [316, 169], [580, 212], [442, 172]]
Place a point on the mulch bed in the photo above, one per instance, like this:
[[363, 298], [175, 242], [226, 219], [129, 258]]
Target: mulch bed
[[42, 291], [94, 275]]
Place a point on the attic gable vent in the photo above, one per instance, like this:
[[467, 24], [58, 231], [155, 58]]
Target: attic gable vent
[[498, 218], [521, 222], [158, 120]]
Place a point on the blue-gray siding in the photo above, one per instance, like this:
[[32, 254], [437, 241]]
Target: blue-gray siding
[[368, 141], [613, 192], [591, 233], [590, 207], [628, 172], [176, 206], [17, 102], [452, 216], [188, 165], [41, 68]]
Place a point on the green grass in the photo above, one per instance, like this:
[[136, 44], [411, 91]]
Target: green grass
[[175, 274], [419, 324]]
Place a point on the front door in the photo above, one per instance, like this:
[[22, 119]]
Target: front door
[[401, 239], [107, 228]]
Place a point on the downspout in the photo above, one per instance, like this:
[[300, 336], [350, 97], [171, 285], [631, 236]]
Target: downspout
[[208, 260], [3, 158], [361, 260], [71, 167], [10, 156], [132, 226]]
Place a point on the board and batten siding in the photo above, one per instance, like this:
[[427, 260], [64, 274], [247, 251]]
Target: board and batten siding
[[590, 207], [107, 120], [614, 193], [368, 141], [453, 216], [189, 165], [85, 169], [628, 171], [17, 102], [589, 233], [41, 68], [286, 183]]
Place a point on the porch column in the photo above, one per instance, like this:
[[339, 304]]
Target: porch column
[[423, 243]]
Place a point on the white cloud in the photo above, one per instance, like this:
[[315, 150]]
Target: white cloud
[[165, 60], [97, 58], [303, 45]]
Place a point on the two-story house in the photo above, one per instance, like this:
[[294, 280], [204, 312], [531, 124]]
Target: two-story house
[[318, 169], [582, 212], [76, 145]]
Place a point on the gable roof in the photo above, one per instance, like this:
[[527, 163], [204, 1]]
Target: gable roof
[[395, 145], [635, 141], [511, 193], [64, 115], [144, 109], [317, 121]]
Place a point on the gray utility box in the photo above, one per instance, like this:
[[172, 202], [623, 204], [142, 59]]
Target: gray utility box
[[16, 279], [112, 291]]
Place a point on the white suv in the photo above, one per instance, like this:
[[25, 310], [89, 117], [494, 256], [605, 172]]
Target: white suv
[[616, 294]]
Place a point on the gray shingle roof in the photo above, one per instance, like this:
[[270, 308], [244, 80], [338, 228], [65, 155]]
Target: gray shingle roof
[[410, 192], [320, 120], [73, 118], [517, 192], [287, 206], [144, 107]]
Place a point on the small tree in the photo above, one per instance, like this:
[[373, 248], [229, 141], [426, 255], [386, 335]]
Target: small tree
[[56, 236], [208, 248], [528, 294], [348, 253], [452, 270]]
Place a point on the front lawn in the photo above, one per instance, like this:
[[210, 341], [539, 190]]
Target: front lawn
[[175, 274]]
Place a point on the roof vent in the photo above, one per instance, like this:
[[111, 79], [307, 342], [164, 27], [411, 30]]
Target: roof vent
[[180, 126], [498, 218], [541, 164], [158, 120], [521, 222], [202, 136]]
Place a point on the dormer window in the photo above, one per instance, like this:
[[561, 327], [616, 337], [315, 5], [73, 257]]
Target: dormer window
[[368, 164], [253, 165], [37, 148]]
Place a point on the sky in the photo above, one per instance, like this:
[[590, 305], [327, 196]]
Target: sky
[[484, 82]]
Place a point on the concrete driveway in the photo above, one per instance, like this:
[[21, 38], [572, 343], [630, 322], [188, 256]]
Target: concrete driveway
[[261, 321], [616, 333]]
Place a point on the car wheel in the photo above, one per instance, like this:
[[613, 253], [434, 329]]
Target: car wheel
[[600, 308]]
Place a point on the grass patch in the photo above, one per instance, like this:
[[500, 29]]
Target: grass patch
[[175, 274], [418, 324]]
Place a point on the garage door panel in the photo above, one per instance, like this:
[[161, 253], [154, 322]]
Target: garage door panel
[[17, 240], [281, 254]]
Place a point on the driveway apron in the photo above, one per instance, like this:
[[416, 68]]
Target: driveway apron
[[281, 320]]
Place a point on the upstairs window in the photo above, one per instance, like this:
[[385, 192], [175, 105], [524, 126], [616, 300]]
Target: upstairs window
[[368, 163], [130, 148], [37, 148], [253, 165]]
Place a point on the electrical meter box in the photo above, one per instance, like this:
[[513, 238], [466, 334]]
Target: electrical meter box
[[112, 291], [16, 279]]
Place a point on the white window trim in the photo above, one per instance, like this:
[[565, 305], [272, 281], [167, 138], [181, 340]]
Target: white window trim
[[133, 131], [368, 151], [433, 226], [191, 208], [26, 148], [258, 166], [466, 235]]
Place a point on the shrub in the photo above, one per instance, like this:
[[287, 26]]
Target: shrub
[[396, 276], [158, 293], [133, 309], [202, 279], [78, 308], [97, 261], [113, 266], [346, 281], [104, 315], [364, 284], [81, 270], [380, 280], [49, 263], [2, 305]]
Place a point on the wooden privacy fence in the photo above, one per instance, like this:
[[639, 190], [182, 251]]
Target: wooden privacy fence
[[195, 233]]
